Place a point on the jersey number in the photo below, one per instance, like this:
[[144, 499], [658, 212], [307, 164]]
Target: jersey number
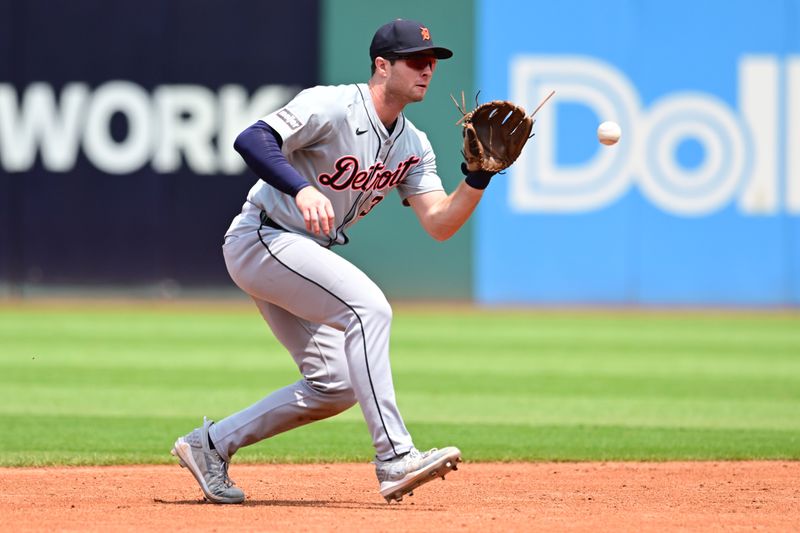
[[375, 201]]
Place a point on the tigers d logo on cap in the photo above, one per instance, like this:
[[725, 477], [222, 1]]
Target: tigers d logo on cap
[[404, 37]]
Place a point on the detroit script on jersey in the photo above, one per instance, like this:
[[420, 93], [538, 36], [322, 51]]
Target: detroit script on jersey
[[333, 137], [348, 174]]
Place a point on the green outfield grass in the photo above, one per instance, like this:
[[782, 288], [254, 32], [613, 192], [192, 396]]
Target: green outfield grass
[[104, 384]]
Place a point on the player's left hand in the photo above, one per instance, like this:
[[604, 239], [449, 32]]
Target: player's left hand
[[316, 209]]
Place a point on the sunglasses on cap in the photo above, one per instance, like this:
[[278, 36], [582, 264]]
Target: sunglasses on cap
[[417, 61]]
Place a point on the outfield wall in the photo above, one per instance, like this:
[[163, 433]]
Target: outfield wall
[[116, 126], [390, 245], [116, 123], [700, 201]]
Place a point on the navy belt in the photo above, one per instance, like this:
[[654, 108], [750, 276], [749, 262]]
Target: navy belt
[[266, 221]]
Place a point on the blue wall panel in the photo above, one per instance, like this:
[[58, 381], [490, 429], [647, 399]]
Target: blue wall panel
[[699, 203]]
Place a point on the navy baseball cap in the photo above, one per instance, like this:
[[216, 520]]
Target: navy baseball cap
[[401, 37]]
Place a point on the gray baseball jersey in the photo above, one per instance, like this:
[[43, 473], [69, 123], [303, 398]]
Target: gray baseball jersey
[[332, 136]]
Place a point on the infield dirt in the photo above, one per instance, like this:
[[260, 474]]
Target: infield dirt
[[695, 496]]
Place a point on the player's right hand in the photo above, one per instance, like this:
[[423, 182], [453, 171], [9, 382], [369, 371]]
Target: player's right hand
[[317, 210]]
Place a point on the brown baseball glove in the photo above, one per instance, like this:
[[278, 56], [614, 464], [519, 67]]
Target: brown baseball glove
[[495, 133]]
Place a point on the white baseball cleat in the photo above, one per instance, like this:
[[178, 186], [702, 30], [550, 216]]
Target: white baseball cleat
[[402, 475]]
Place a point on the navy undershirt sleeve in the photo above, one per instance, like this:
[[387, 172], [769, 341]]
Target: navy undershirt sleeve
[[260, 147]]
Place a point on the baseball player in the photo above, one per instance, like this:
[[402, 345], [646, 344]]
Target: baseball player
[[325, 160]]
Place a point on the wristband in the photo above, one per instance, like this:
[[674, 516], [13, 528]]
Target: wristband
[[478, 179]]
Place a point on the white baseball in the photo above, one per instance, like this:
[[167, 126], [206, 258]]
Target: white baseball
[[608, 132]]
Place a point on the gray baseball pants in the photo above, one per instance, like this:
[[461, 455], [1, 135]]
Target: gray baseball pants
[[333, 320]]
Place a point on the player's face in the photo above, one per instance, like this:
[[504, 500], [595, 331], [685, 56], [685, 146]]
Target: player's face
[[410, 76]]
